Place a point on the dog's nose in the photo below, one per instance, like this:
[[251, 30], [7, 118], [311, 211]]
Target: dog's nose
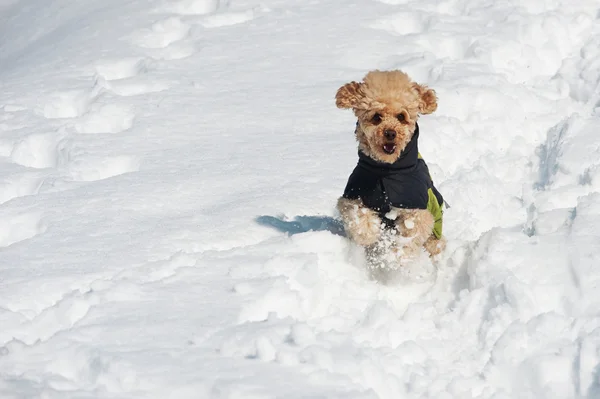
[[389, 134]]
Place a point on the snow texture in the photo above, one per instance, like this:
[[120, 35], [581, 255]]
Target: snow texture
[[168, 176]]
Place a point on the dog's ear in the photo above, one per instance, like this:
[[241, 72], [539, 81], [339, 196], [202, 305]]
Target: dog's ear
[[349, 95], [427, 99]]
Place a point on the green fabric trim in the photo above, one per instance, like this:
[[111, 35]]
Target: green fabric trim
[[436, 210]]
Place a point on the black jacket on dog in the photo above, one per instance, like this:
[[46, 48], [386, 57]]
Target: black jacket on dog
[[404, 184]]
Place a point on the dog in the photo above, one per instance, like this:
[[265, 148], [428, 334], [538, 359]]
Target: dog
[[390, 205]]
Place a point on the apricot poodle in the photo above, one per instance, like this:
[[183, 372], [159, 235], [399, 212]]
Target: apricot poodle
[[390, 205]]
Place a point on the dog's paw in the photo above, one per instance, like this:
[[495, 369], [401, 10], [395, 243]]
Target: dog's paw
[[362, 225], [415, 223], [367, 229], [434, 245]]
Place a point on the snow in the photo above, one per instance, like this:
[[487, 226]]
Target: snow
[[168, 177]]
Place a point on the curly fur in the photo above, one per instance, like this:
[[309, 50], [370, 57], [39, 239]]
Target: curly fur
[[363, 225], [387, 102]]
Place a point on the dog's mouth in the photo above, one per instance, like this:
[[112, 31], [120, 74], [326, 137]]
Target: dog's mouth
[[389, 148]]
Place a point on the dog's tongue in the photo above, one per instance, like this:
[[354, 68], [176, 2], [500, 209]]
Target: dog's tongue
[[389, 148]]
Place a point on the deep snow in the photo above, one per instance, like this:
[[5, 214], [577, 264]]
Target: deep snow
[[168, 175]]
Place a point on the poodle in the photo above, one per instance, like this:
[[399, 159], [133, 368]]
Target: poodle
[[390, 205]]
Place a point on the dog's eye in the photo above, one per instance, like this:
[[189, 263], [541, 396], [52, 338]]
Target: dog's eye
[[401, 117], [376, 119]]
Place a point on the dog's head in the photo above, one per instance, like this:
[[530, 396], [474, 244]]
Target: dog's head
[[387, 105]]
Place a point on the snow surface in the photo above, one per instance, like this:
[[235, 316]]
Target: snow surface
[[168, 175]]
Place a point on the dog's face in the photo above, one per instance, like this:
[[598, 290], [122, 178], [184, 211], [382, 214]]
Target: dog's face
[[387, 105]]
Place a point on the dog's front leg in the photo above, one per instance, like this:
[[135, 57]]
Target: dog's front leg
[[362, 224], [415, 226]]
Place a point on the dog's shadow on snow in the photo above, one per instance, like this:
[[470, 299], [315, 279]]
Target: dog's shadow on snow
[[303, 224]]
